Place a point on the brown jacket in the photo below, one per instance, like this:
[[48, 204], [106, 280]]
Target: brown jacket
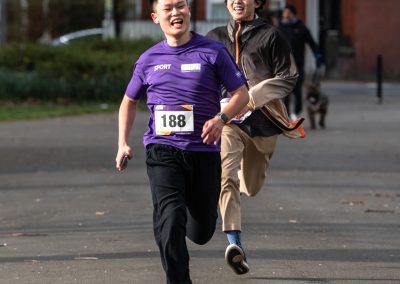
[[264, 56]]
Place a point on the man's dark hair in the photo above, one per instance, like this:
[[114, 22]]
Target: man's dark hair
[[151, 2], [261, 2], [291, 8]]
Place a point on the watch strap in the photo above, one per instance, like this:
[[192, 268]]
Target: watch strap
[[223, 117]]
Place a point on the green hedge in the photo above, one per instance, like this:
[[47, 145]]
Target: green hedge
[[93, 70]]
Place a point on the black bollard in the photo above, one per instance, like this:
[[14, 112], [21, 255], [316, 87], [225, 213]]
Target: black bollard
[[379, 71]]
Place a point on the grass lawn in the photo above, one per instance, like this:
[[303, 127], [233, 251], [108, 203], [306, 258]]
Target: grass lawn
[[12, 112]]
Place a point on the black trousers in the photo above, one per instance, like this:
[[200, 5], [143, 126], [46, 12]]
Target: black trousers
[[185, 189], [298, 96]]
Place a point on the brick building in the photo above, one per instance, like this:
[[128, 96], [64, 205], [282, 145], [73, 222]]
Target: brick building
[[353, 33], [372, 28]]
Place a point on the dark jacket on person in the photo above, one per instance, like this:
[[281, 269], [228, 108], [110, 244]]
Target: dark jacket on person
[[263, 54], [298, 35]]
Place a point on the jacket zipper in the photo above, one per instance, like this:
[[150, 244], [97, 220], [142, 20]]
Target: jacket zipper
[[237, 43], [237, 50]]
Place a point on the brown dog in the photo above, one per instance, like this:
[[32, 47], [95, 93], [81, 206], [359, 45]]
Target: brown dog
[[317, 104]]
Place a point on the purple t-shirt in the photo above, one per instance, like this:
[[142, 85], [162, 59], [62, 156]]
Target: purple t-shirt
[[183, 89]]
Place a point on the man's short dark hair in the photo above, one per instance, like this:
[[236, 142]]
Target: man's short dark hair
[[291, 8], [262, 3], [152, 2]]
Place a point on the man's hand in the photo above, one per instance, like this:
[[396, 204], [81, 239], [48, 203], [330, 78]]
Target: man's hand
[[122, 151], [212, 130]]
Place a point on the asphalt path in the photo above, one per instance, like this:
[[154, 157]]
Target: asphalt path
[[330, 212]]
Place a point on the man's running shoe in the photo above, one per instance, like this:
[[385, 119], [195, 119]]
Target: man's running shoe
[[236, 259]]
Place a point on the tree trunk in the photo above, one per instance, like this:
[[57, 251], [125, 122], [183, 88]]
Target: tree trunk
[[46, 37]]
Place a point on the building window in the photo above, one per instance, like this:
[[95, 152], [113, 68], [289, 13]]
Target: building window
[[219, 12], [216, 10]]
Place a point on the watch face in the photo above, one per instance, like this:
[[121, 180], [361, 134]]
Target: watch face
[[223, 117]]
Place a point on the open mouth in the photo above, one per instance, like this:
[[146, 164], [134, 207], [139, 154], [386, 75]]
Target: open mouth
[[177, 22], [238, 9]]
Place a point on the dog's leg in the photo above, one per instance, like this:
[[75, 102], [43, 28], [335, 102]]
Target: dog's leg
[[311, 116], [322, 119], [323, 110]]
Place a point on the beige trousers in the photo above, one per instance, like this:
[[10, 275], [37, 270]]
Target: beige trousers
[[245, 161]]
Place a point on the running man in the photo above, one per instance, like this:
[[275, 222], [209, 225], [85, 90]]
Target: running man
[[181, 77], [263, 54]]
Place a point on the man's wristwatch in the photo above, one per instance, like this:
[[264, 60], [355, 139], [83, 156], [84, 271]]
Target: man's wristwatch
[[223, 117]]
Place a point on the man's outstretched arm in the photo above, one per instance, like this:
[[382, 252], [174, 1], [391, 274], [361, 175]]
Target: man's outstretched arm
[[126, 118]]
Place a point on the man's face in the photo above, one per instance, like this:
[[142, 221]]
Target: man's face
[[173, 16], [242, 10], [287, 14]]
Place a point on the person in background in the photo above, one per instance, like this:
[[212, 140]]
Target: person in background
[[181, 77], [298, 35], [248, 143]]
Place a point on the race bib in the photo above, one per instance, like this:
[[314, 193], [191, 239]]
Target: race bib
[[173, 119]]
